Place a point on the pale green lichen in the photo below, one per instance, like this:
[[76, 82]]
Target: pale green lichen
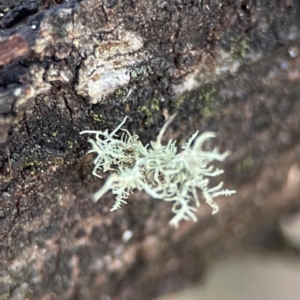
[[158, 169]]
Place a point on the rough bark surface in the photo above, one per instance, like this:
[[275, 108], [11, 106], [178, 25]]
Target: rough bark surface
[[232, 67]]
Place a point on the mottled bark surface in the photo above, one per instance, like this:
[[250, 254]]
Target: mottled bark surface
[[232, 67]]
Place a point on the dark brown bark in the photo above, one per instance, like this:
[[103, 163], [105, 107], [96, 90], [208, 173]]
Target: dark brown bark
[[227, 66]]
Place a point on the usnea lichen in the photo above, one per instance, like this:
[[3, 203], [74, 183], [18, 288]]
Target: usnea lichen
[[158, 169]]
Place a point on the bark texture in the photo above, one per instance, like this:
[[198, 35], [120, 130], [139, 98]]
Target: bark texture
[[232, 67]]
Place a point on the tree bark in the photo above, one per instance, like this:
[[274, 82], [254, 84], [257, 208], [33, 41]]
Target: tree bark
[[232, 67]]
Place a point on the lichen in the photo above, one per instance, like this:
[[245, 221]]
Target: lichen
[[148, 110], [158, 169]]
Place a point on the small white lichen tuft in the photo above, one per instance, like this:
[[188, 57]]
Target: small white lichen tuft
[[158, 169]]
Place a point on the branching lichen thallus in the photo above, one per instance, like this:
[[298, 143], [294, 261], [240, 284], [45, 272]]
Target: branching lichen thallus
[[158, 169]]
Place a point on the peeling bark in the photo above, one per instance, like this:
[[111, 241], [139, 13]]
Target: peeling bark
[[65, 66]]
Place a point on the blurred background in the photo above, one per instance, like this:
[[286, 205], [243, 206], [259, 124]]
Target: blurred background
[[267, 275]]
